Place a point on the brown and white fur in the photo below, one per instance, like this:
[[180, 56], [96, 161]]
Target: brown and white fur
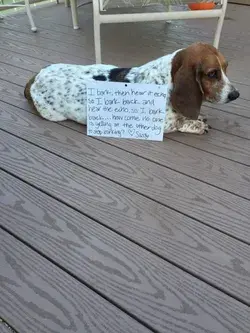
[[192, 75]]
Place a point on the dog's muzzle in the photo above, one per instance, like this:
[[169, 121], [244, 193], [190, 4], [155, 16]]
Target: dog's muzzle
[[233, 95]]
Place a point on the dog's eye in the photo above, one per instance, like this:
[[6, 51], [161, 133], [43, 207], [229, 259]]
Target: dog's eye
[[212, 74]]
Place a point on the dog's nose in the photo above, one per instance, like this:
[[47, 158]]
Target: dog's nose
[[233, 95]]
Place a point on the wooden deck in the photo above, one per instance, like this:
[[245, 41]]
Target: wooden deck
[[118, 236]]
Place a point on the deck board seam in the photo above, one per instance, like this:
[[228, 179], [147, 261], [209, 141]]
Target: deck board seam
[[189, 272], [70, 43], [117, 183], [37, 58], [66, 53], [200, 149], [10, 328], [11, 65], [222, 110], [238, 136], [42, 48], [206, 151], [105, 177], [46, 38], [136, 154], [75, 277]]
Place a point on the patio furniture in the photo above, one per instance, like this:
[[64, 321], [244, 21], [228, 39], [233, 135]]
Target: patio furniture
[[28, 11], [100, 17]]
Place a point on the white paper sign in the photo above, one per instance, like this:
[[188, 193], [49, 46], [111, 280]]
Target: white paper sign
[[126, 110]]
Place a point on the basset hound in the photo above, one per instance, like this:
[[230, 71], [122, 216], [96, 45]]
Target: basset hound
[[192, 75]]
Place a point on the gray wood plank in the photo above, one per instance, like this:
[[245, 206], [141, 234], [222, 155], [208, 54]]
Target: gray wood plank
[[121, 49], [15, 22], [240, 107], [50, 56], [13, 47], [22, 61], [37, 296], [234, 15], [85, 15], [173, 38], [217, 143], [79, 195], [4, 328], [199, 200], [152, 289], [227, 175], [58, 15], [230, 123], [51, 20], [193, 247], [241, 2], [49, 44], [13, 95], [14, 74]]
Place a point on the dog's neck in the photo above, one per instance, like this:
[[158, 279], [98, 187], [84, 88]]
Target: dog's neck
[[157, 71]]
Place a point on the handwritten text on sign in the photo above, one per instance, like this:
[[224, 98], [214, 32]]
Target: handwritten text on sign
[[132, 111]]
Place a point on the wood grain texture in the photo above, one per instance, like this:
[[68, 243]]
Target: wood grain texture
[[86, 17], [58, 44], [18, 48], [239, 108], [12, 94], [230, 123], [37, 296], [4, 328], [18, 23], [21, 61], [231, 147], [221, 144], [97, 196], [51, 20], [144, 284], [205, 167], [152, 289], [188, 196], [40, 53], [218, 143], [14, 74], [122, 48]]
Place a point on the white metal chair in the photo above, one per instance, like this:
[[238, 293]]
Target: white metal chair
[[28, 11], [99, 6]]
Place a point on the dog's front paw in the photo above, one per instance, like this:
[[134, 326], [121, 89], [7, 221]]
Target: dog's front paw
[[194, 126], [203, 119], [204, 127]]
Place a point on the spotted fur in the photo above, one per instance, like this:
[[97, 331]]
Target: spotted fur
[[58, 91]]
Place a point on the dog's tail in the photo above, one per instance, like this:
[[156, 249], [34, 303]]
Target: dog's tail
[[27, 93]]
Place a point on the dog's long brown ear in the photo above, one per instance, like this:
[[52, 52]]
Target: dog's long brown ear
[[186, 97]]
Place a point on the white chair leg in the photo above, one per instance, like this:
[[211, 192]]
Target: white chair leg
[[74, 14], [168, 10], [97, 32], [97, 38], [220, 24], [32, 24]]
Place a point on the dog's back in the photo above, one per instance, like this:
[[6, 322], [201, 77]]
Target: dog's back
[[58, 92]]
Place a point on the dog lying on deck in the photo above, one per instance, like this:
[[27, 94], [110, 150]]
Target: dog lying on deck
[[192, 75]]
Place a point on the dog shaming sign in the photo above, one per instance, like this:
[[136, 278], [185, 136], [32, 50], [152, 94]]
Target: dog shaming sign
[[126, 110]]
